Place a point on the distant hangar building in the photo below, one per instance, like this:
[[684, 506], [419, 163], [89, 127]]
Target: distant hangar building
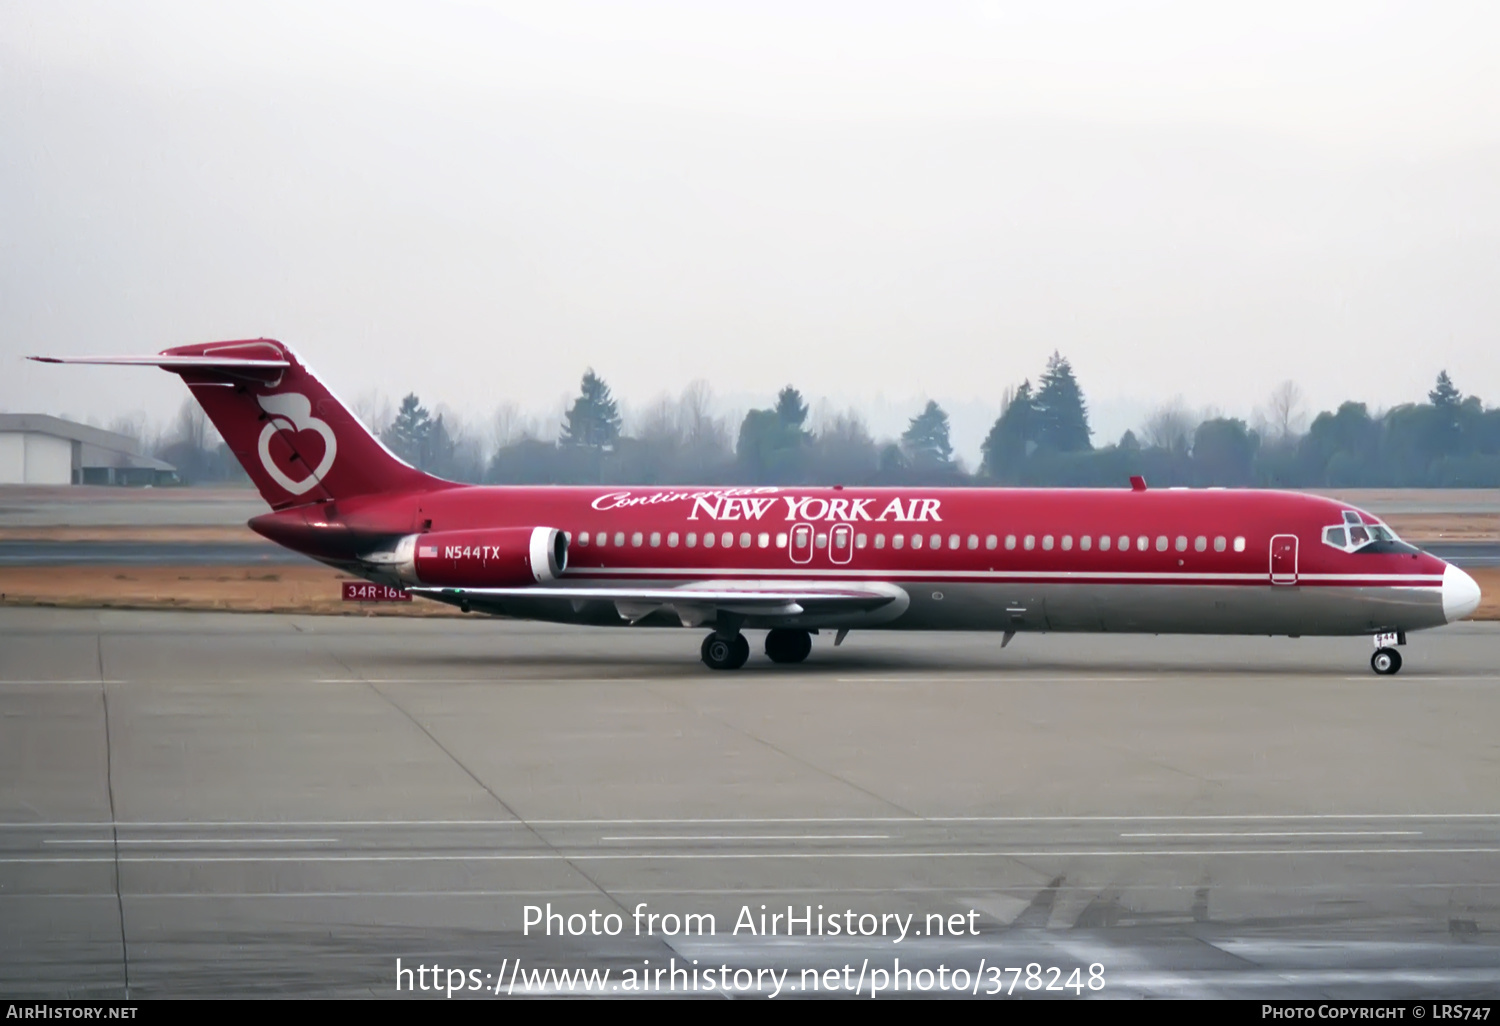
[[36, 449]]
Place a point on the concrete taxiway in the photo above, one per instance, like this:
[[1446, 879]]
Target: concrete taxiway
[[198, 804]]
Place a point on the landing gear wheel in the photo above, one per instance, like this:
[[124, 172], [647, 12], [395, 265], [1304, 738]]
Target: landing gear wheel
[[788, 645], [721, 653], [1386, 661]]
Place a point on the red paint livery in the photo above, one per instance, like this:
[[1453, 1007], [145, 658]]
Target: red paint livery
[[795, 561]]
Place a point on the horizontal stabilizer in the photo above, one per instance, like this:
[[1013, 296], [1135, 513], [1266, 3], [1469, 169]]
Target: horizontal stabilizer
[[294, 438], [172, 363]]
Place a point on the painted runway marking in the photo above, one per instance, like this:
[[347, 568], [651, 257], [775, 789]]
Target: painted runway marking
[[753, 837], [1014, 890], [349, 824], [731, 856], [1005, 678], [193, 840], [1293, 833]]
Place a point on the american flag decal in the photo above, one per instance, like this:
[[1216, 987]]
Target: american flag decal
[[428, 552]]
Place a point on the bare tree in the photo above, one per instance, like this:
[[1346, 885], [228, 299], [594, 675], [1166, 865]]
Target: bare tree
[[509, 425], [700, 428], [465, 458], [374, 410], [132, 426], [191, 426], [1171, 427], [660, 424], [1285, 415]]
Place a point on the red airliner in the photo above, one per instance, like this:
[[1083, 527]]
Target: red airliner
[[795, 561]]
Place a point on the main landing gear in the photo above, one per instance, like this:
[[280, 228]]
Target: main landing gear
[[729, 651], [785, 645], [725, 652]]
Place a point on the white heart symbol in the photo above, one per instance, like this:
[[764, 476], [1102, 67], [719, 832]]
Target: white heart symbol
[[291, 411]]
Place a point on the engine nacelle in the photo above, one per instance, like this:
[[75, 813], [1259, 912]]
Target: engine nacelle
[[500, 557]]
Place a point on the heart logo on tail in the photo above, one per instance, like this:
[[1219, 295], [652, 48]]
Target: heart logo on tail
[[292, 412]]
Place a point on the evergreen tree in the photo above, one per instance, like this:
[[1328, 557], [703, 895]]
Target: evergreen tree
[[772, 443], [435, 455], [407, 435], [1062, 418], [593, 422], [1005, 447], [926, 438], [791, 411], [1442, 438], [1444, 395]]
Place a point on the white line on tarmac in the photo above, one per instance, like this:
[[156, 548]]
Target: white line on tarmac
[[95, 682], [327, 824], [1015, 890], [1295, 833], [193, 840], [722, 856], [753, 837], [1001, 678]]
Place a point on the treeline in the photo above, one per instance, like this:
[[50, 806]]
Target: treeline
[[1040, 437]]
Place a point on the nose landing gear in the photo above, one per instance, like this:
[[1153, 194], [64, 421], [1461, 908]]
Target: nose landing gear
[[1386, 661]]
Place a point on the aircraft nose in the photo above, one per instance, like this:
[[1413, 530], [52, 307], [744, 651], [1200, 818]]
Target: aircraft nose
[[1460, 594]]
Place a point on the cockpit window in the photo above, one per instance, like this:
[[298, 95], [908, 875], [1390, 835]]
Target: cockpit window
[[1354, 535]]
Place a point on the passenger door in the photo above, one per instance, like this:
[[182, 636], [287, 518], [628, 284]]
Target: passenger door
[[1284, 559]]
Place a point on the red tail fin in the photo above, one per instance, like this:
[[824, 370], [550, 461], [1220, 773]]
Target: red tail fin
[[297, 442]]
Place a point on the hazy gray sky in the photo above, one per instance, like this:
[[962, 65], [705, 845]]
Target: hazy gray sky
[[476, 201]]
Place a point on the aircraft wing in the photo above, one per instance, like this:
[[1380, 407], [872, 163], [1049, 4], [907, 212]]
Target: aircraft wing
[[779, 599]]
